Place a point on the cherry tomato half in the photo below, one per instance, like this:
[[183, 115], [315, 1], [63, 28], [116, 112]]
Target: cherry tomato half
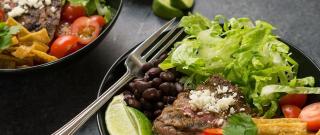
[[63, 46], [63, 29], [290, 111], [293, 99], [2, 15], [311, 115], [85, 29], [212, 131], [72, 12], [99, 19]]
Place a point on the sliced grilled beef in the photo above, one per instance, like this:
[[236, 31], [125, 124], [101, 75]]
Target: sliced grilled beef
[[37, 18], [181, 119]]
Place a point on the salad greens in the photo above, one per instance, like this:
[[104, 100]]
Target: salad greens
[[246, 53], [93, 6], [6, 33], [240, 124]]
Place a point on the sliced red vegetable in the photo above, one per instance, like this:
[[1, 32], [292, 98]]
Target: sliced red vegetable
[[212, 131], [85, 29], [298, 100], [2, 15], [72, 12], [290, 111], [99, 19], [63, 29], [63, 46], [311, 115]]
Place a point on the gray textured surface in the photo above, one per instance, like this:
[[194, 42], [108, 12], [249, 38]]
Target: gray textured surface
[[56, 96]]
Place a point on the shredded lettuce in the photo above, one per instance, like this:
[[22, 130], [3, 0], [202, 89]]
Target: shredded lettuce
[[244, 52]]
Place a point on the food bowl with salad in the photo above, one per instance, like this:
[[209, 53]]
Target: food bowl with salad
[[35, 34], [224, 77]]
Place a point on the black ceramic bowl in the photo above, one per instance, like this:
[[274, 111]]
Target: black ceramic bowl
[[115, 6], [307, 67]]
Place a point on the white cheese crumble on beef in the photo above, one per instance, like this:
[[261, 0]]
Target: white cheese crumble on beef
[[207, 101], [24, 5]]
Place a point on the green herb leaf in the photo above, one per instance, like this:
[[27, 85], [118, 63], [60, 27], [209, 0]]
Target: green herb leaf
[[240, 124], [81, 2], [6, 34]]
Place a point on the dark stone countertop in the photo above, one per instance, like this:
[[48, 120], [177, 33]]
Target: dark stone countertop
[[39, 103]]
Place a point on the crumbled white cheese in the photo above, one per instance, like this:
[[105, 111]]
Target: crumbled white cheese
[[23, 6], [206, 100], [17, 11], [232, 111], [53, 9], [6, 6], [242, 109], [222, 89], [47, 2]]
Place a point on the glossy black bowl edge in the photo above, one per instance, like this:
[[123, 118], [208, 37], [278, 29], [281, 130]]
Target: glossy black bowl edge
[[73, 56], [297, 54]]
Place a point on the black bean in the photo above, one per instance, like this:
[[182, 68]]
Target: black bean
[[173, 90], [165, 88], [175, 72], [138, 79], [132, 86], [151, 94], [145, 104], [156, 62], [167, 76], [165, 99], [159, 105], [163, 57], [179, 87], [171, 99], [154, 72], [142, 85], [145, 67], [157, 113], [146, 78], [156, 82], [134, 103], [136, 93], [148, 114]]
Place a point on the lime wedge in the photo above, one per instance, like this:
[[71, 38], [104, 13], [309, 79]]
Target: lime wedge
[[124, 120], [163, 8], [143, 124], [182, 4]]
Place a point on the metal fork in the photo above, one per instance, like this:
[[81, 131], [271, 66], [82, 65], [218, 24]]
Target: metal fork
[[133, 64]]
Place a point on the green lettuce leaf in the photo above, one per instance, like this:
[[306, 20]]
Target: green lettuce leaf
[[246, 53], [240, 124]]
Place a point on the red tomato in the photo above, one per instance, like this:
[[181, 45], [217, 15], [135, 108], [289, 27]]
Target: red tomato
[[212, 131], [311, 115], [72, 12], [85, 29], [63, 29], [63, 46], [2, 15], [290, 111], [99, 19], [293, 99]]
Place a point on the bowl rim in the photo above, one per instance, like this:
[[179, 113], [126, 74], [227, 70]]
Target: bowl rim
[[78, 52], [100, 119]]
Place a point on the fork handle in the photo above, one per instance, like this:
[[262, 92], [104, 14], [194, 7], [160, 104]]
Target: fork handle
[[72, 126]]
